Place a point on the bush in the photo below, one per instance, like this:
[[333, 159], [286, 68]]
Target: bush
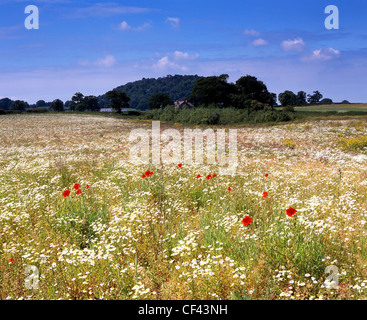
[[13, 111], [288, 109], [2, 111], [37, 110], [216, 116]]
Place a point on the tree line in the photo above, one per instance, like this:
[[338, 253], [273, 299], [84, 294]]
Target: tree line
[[213, 91]]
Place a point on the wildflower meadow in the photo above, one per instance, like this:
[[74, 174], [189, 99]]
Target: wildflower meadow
[[289, 223]]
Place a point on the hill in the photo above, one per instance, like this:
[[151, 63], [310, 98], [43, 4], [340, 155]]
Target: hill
[[177, 87]]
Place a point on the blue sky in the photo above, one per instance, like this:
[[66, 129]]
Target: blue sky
[[94, 46]]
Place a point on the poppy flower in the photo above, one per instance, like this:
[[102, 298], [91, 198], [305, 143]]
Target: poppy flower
[[180, 165], [265, 194], [66, 193], [229, 189], [246, 221], [209, 176], [87, 186], [198, 176], [267, 175], [291, 212], [214, 175], [147, 173], [11, 260], [76, 186], [143, 176], [151, 173], [78, 191]]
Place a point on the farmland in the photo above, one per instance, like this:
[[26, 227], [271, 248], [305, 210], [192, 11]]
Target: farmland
[[339, 108], [170, 234]]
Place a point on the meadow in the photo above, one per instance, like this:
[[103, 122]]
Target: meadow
[[127, 231], [339, 108]]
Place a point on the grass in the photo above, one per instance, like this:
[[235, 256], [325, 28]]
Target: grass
[[172, 235], [339, 108]]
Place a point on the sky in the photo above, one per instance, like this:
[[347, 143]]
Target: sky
[[95, 46]]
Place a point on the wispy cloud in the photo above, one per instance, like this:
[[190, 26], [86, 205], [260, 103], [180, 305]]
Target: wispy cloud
[[293, 45], [125, 26], [107, 9], [323, 54], [174, 22], [251, 32], [107, 61], [179, 55], [259, 43]]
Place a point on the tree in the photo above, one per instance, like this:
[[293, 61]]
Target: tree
[[57, 105], [314, 98], [91, 103], [67, 105], [301, 99], [118, 100], [40, 103], [326, 101], [213, 90], [77, 102], [159, 100], [249, 88], [287, 98], [19, 105], [5, 103]]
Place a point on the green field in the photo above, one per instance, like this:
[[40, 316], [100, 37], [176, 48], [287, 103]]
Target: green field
[[340, 108]]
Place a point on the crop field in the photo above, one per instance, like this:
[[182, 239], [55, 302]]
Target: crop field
[[98, 226], [339, 108]]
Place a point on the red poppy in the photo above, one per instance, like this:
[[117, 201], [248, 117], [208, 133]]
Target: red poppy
[[291, 212], [265, 194], [229, 189], [66, 193], [180, 165], [78, 191], [147, 173], [209, 176], [87, 186], [11, 260], [267, 175], [198, 176], [214, 175], [151, 173], [143, 176], [246, 221], [76, 186]]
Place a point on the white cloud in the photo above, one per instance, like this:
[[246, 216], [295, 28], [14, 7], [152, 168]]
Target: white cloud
[[165, 63], [259, 42], [251, 32], [106, 62], [125, 26], [293, 45], [323, 54], [175, 22], [179, 55]]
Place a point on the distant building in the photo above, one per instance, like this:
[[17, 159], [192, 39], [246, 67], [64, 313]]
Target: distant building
[[106, 110], [183, 103]]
